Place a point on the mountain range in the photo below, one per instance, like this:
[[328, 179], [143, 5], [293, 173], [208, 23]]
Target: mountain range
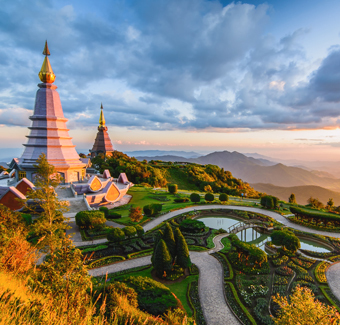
[[264, 171]]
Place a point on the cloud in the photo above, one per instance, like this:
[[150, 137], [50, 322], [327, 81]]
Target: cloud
[[16, 117], [166, 65]]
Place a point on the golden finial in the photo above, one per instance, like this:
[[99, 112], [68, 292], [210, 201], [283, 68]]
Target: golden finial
[[101, 118], [46, 73]]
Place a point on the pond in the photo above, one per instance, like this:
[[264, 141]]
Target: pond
[[254, 237]]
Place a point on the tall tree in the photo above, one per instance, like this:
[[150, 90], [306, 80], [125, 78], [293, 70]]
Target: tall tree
[[292, 199], [51, 224], [136, 214], [304, 309], [183, 256], [162, 259], [169, 239]]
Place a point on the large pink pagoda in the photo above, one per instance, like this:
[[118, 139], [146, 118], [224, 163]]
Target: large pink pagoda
[[48, 133]]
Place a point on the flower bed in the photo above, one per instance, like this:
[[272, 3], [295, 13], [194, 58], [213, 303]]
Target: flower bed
[[280, 280], [330, 297], [236, 305], [320, 272], [195, 304], [280, 289], [260, 310], [301, 273], [190, 241], [335, 258], [280, 261], [317, 254], [303, 262], [105, 261], [284, 270], [309, 225], [193, 269]]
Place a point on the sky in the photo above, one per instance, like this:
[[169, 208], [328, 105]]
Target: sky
[[193, 75]]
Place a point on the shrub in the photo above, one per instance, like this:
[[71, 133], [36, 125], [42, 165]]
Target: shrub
[[183, 257], [113, 215], [195, 198], [153, 297], [90, 219], [135, 214], [169, 239], [172, 188], [129, 231], [94, 249], [105, 210], [192, 225], [115, 235], [223, 197], [287, 239], [152, 209], [269, 202], [140, 230], [209, 197], [292, 199]]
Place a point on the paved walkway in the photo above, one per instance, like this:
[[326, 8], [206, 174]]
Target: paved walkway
[[210, 285], [333, 276]]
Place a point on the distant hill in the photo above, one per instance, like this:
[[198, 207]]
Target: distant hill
[[153, 153], [302, 193], [254, 170]]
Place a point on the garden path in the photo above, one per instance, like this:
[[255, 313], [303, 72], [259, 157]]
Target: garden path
[[271, 214], [210, 287], [333, 275]]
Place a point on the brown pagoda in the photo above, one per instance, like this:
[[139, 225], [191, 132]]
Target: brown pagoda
[[103, 143]]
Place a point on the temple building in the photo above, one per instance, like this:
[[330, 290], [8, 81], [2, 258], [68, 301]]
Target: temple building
[[48, 133], [102, 143]]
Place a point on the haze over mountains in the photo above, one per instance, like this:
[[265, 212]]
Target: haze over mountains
[[262, 174]]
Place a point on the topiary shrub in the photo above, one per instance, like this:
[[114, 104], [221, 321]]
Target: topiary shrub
[[115, 235], [140, 230], [172, 188], [287, 239], [223, 197], [152, 209], [161, 259], [209, 197], [114, 215], [105, 210], [192, 225], [90, 219], [195, 198], [129, 231]]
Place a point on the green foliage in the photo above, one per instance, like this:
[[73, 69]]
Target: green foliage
[[269, 202], [181, 200], [90, 219], [115, 235], [106, 261], [209, 197], [315, 203], [129, 231], [223, 197], [287, 239], [157, 237], [94, 249], [169, 239], [152, 209], [183, 257], [113, 215], [153, 297], [292, 199], [28, 218], [172, 188], [195, 198], [162, 260], [105, 210], [192, 226], [140, 230]]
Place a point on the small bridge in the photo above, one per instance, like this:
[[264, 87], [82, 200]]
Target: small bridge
[[237, 227]]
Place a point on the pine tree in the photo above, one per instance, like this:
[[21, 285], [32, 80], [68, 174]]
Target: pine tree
[[183, 257], [157, 238], [161, 259], [169, 239]]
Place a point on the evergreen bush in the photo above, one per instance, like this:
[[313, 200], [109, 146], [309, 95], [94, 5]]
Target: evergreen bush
[[195, 198], [209, 197], [90, 219], [161, 261], [172, 188], [115, 235]]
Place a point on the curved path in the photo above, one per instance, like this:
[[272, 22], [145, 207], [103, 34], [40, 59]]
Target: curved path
[[210, 285]]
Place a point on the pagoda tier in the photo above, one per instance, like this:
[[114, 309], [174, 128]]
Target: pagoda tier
[[102, 143], [49, 134]]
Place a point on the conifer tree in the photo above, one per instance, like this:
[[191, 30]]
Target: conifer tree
[[183, 257], [292, 199], [169, 239], [161, 259], [157, 238]]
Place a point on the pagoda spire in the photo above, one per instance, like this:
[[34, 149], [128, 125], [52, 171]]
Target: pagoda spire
[[46, 74], [101, 118]]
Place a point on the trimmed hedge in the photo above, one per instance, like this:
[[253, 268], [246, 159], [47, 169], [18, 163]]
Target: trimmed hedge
[[145, 252], [329, 294], [192, 226], [320, 270], [94, 249], [106, 261], [316, 216], [90, 219]]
